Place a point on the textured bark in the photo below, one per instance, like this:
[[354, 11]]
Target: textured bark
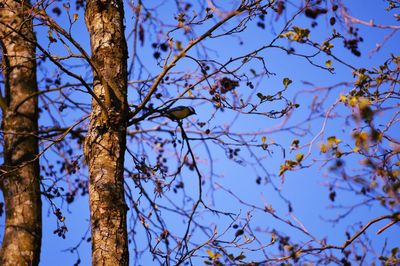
[[106, 139], [21, 190]]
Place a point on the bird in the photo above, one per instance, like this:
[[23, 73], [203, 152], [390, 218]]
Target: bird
[[176, 113]]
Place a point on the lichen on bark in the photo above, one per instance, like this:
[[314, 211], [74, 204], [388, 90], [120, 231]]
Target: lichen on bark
[[20, 179], [106, 137]]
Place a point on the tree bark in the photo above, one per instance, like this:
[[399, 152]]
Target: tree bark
[[106, 139], [21, 183]]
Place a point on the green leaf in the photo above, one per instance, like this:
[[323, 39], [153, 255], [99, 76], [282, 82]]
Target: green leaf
[[240, 257], [286, 82], [261, 96], [394, 251]]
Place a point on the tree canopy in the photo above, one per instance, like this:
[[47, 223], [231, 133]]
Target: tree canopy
[[291, 158]]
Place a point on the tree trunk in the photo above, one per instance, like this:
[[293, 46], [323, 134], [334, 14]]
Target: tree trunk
[[21, 183], [106, 139]]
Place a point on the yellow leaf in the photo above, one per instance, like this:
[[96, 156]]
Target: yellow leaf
[[289, 35], [328, 63], [364, 135], [323, 148], [273, 237], [363, 102], [286, 82], [299, 157], [361, 139], [373, 184], [213, 255], [288, 247], [263, 139], [342, 98], [190, 93], [290, 164], [327, 46], [210, 253], [352, 101], [333, 141], [282, 169], [76, 17]]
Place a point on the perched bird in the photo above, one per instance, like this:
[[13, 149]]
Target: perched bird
[[177, 113]]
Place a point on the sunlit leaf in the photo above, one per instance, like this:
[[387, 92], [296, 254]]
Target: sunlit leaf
[[210, 253], [299, 157], [328, 63], [332, 140], [323, 148], [286, 82], [352, 101]]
